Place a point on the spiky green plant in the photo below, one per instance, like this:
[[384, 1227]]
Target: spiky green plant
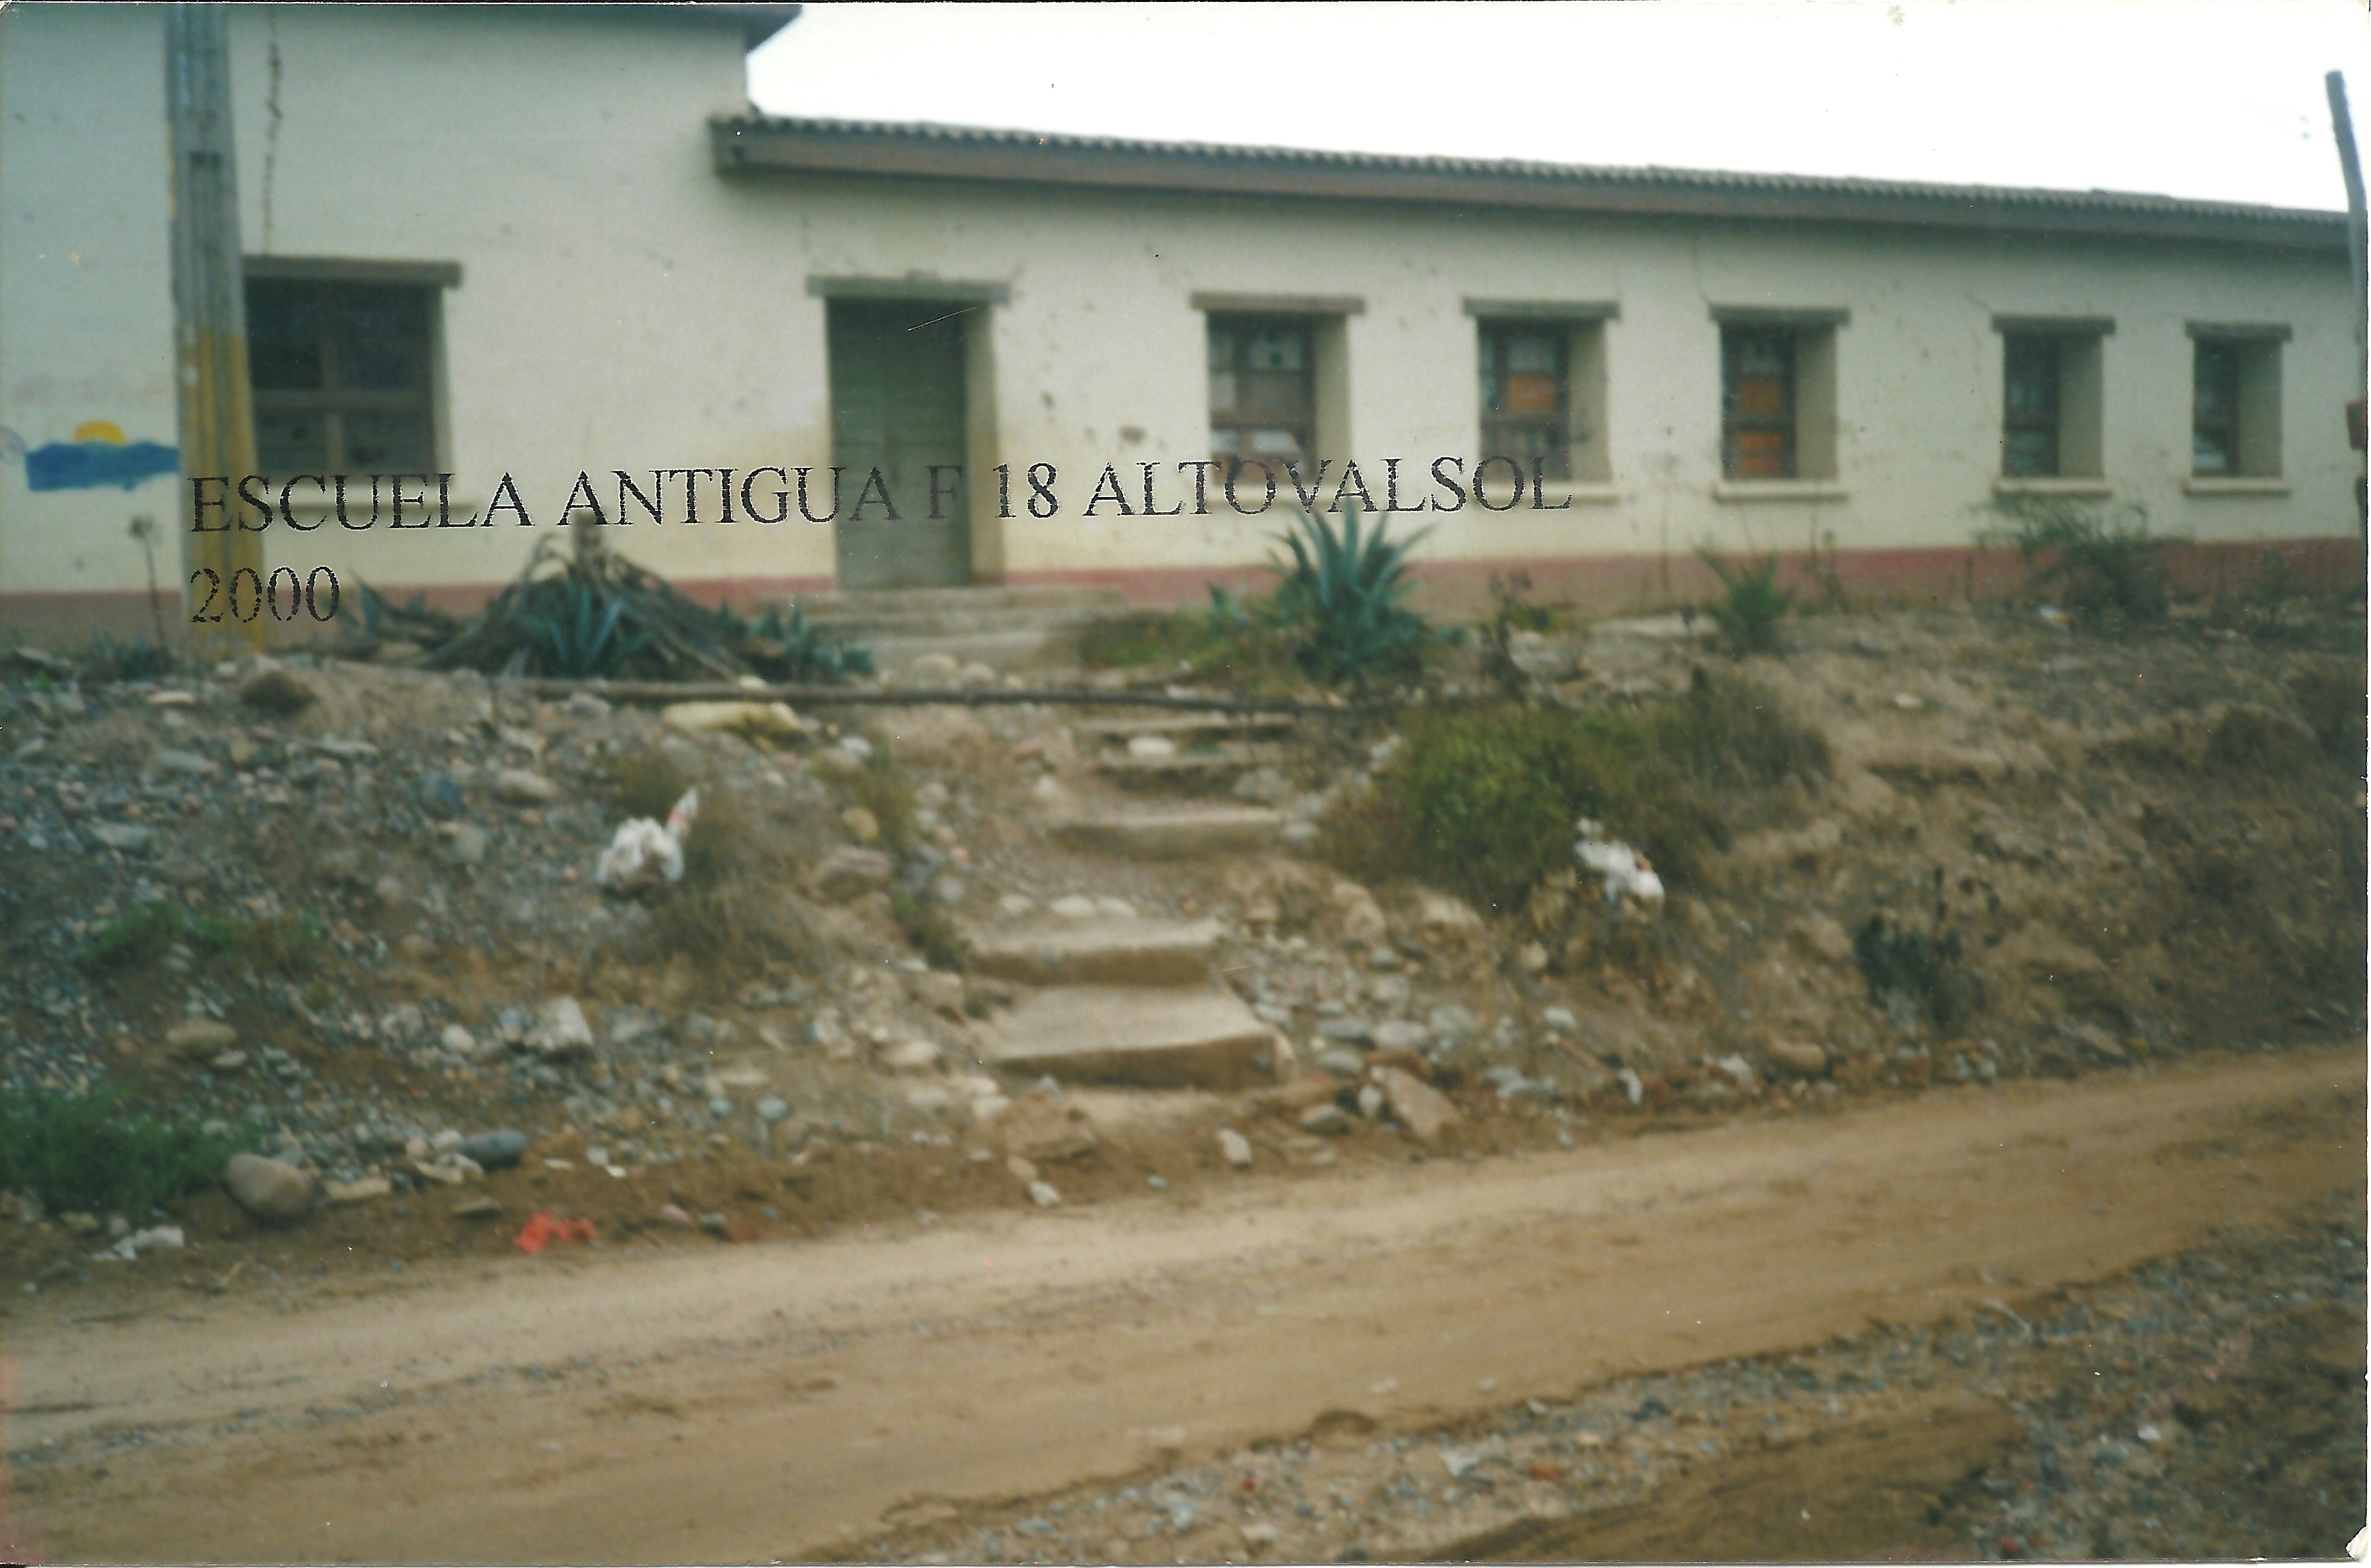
[[785, 648], [580, 637], [1751, 603], [1341, 595]]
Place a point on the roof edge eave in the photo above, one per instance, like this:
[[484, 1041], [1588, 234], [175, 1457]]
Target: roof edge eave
[[754, 142]]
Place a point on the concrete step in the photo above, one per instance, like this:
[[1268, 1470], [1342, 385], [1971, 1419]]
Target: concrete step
[[1144, 1038], [1098, 953], [984, 598], [1030, 648], [1187, 730], [1005, 628], [1195, 773], [1175, 834]]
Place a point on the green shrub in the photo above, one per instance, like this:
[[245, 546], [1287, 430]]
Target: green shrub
[[106, 659], [1340, 600], [785, 648], [1484, 799], [284, 944], [1918, 967], [642, 783], [2331, 698], [1136, 639], [1751, 603], [85, 1153], [2106, 569], [1730, 733], [883, 791]]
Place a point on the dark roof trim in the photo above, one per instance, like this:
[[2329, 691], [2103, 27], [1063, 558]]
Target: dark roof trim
[[910, 288], [1278, 303], [2261, 331], [341, 269], [939, 152], [2055, 326], [1779, 316], [1543, 310], [757, 23]]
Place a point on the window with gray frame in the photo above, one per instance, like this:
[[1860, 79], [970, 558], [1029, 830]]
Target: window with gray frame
[[1263, 389], [2234, 419], [342, 374], [2030, 412], [1527, 403], [1757, 402], [2051, 395]]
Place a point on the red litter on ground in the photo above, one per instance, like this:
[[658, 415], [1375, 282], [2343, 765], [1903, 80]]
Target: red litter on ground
[[541, 1230]]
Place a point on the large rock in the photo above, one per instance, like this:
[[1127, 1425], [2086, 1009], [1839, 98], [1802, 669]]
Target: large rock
[[1043, 1131], [129, 837], [848, 873], [757, 721], [267, 1188], [1201, 1037], [523, 786], [496, 1150], [199, 1039], [560, 1029], [1807, 1061], [1099, 952], [1423, 1110]]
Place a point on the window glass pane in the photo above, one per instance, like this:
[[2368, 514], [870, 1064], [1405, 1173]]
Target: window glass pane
[[1762, 453], [1531, 394], [1223, 388], [290, 443], [1275, 349], [1759, 353], [2030, 453], [380, 337], [2032, 366], [1274, 442], [2210, 452], [1761, 395], [2218, 381], [387, 442], [283, 337], [1532, 352]]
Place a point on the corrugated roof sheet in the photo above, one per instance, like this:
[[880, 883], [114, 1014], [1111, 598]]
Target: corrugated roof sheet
[[1908, 195]]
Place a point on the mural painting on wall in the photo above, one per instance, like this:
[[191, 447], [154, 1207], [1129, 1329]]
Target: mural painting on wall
[[99, 455]]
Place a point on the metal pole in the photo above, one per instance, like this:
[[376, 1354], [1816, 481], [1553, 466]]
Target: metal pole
[[217, 416]]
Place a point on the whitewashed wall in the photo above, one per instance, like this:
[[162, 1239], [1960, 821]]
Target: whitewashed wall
[[624, 304]]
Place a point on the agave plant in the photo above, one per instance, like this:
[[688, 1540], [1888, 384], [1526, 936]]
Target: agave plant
[[1751, 603], [787, 649], [1341, 593], [579, 639]]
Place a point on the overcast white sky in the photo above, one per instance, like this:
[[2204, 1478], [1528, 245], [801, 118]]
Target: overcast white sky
[[2216, 99]]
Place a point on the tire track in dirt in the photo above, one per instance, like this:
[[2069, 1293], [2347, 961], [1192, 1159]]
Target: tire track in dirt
[[790, 1399]]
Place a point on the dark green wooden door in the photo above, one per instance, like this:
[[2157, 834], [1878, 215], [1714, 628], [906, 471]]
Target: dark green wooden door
[[897, 405]]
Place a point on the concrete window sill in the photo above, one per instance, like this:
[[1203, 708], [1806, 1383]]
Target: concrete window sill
[[2088, 488], [1779, 489], [2243, 485]]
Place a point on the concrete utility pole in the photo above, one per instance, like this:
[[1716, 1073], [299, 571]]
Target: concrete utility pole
[[217, 412]]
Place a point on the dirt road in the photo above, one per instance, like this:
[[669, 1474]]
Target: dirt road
[[793, 1398]]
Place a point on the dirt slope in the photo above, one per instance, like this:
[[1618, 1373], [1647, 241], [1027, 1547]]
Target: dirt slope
[[782, 1400]]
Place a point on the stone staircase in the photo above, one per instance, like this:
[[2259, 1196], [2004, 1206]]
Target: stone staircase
[[1133, 1001], [1128, 1002], [1005, 628], [1186, 754]]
